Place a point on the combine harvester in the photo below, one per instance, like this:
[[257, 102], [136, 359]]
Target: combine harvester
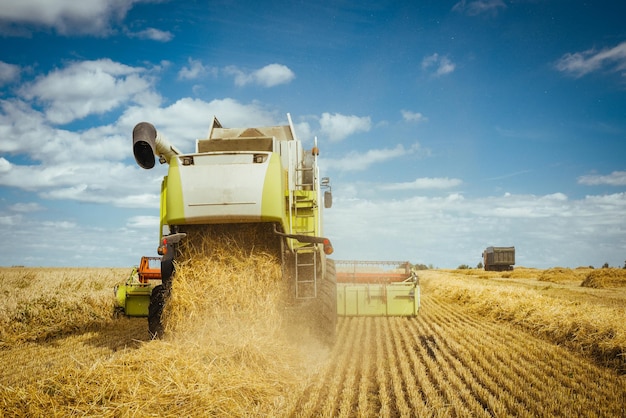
[[377, 288], [238, 179]]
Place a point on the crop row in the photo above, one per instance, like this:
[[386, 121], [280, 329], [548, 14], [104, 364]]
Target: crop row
[[447, 362]]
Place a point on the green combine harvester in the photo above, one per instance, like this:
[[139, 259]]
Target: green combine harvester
[[238, 177], [258, 176]]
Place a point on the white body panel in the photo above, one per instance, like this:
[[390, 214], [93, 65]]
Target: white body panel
[[223, 186]]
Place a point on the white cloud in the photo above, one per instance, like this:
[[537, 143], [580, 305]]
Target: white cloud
[[269, 76], [87, 87], [85, 180], [8, 73], [195, 70], [26, 207], [579, 64], [26, 131], [616, 178], [67, 16], [337, 126], [60, 224], [5, 165], [479, 7], [189, 119], [143, 222], [450, 230], [86, 166], [359, 161], [439, 65], [61, 242], [10, 220], [273, 75], [424, 183], [153, 34], [412, 116]]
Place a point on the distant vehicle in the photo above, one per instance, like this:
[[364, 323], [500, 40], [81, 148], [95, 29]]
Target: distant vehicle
[[499, 258]]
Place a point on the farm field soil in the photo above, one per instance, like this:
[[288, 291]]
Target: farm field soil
[[451, 360]]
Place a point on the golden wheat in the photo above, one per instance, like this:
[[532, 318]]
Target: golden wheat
[[606, 277], [481, 346]]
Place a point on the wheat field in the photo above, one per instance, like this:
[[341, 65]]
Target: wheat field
[[484, 344]]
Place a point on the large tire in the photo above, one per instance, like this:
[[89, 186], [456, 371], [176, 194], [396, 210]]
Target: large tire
[[155, 310], [327, 303]]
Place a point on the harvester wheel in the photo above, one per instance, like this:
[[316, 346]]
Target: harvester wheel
[[157, 301], [327, 300]]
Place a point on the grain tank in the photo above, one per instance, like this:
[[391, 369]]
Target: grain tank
[[241, 177]]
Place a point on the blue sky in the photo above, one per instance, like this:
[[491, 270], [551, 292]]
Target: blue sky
[[445, 126]]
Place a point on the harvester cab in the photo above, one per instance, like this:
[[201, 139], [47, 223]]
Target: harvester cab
[[242, 176]]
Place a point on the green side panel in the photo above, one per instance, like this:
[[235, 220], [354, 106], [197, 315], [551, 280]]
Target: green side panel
[[397, 299], [402, 299], [304, 215], [172, 194], [135, 299], [162, 214], [273, 207]]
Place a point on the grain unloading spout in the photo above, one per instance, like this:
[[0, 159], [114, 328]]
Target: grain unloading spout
[[148, 143]]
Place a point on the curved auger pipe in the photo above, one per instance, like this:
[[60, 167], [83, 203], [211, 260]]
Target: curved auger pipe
[[148, 143]]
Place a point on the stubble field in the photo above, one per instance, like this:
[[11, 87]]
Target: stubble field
[[526, 343]]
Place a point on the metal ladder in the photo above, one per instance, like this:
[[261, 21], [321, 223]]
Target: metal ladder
[[306, 256]]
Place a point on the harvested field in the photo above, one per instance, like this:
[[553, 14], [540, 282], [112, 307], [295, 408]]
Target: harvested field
[[470, 352], [606, 277], [563, 275]]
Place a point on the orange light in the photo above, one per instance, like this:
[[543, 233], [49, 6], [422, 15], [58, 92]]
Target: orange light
[[328, 247], [162, 250]]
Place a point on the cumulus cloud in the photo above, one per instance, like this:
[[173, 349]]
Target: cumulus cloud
[[269, 76], [89, 165], [451, 230], [5, 166], [67, 16], [26, 131], [616, 178], [188, 119], [59, 242], [413, 116], [194, 70], [359, 161], [479, 7], [10, 220], [579, 64], [337, 127], [83, 180], [143, 222], [438, 65], [8, 73], [87, 87], [26, 207]]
